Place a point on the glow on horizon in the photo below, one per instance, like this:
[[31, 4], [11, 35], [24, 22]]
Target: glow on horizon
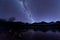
[[30, 15]]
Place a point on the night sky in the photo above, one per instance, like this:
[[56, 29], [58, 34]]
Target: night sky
[[33, 11]]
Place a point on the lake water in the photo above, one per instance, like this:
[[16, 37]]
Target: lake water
[[39, 35], [36, 35]]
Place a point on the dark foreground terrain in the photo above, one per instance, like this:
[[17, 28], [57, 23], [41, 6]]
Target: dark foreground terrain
[[10, 30]]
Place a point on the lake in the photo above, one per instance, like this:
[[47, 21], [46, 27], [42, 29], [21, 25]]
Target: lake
[[39, 35]]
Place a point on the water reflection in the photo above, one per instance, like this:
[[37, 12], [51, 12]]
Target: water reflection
[[39, 35]]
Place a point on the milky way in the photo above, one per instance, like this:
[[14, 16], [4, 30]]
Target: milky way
[[45, 10], [27, 11], [30, 10]]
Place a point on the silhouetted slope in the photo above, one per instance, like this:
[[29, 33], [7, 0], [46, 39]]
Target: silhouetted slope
[[15, 28]]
